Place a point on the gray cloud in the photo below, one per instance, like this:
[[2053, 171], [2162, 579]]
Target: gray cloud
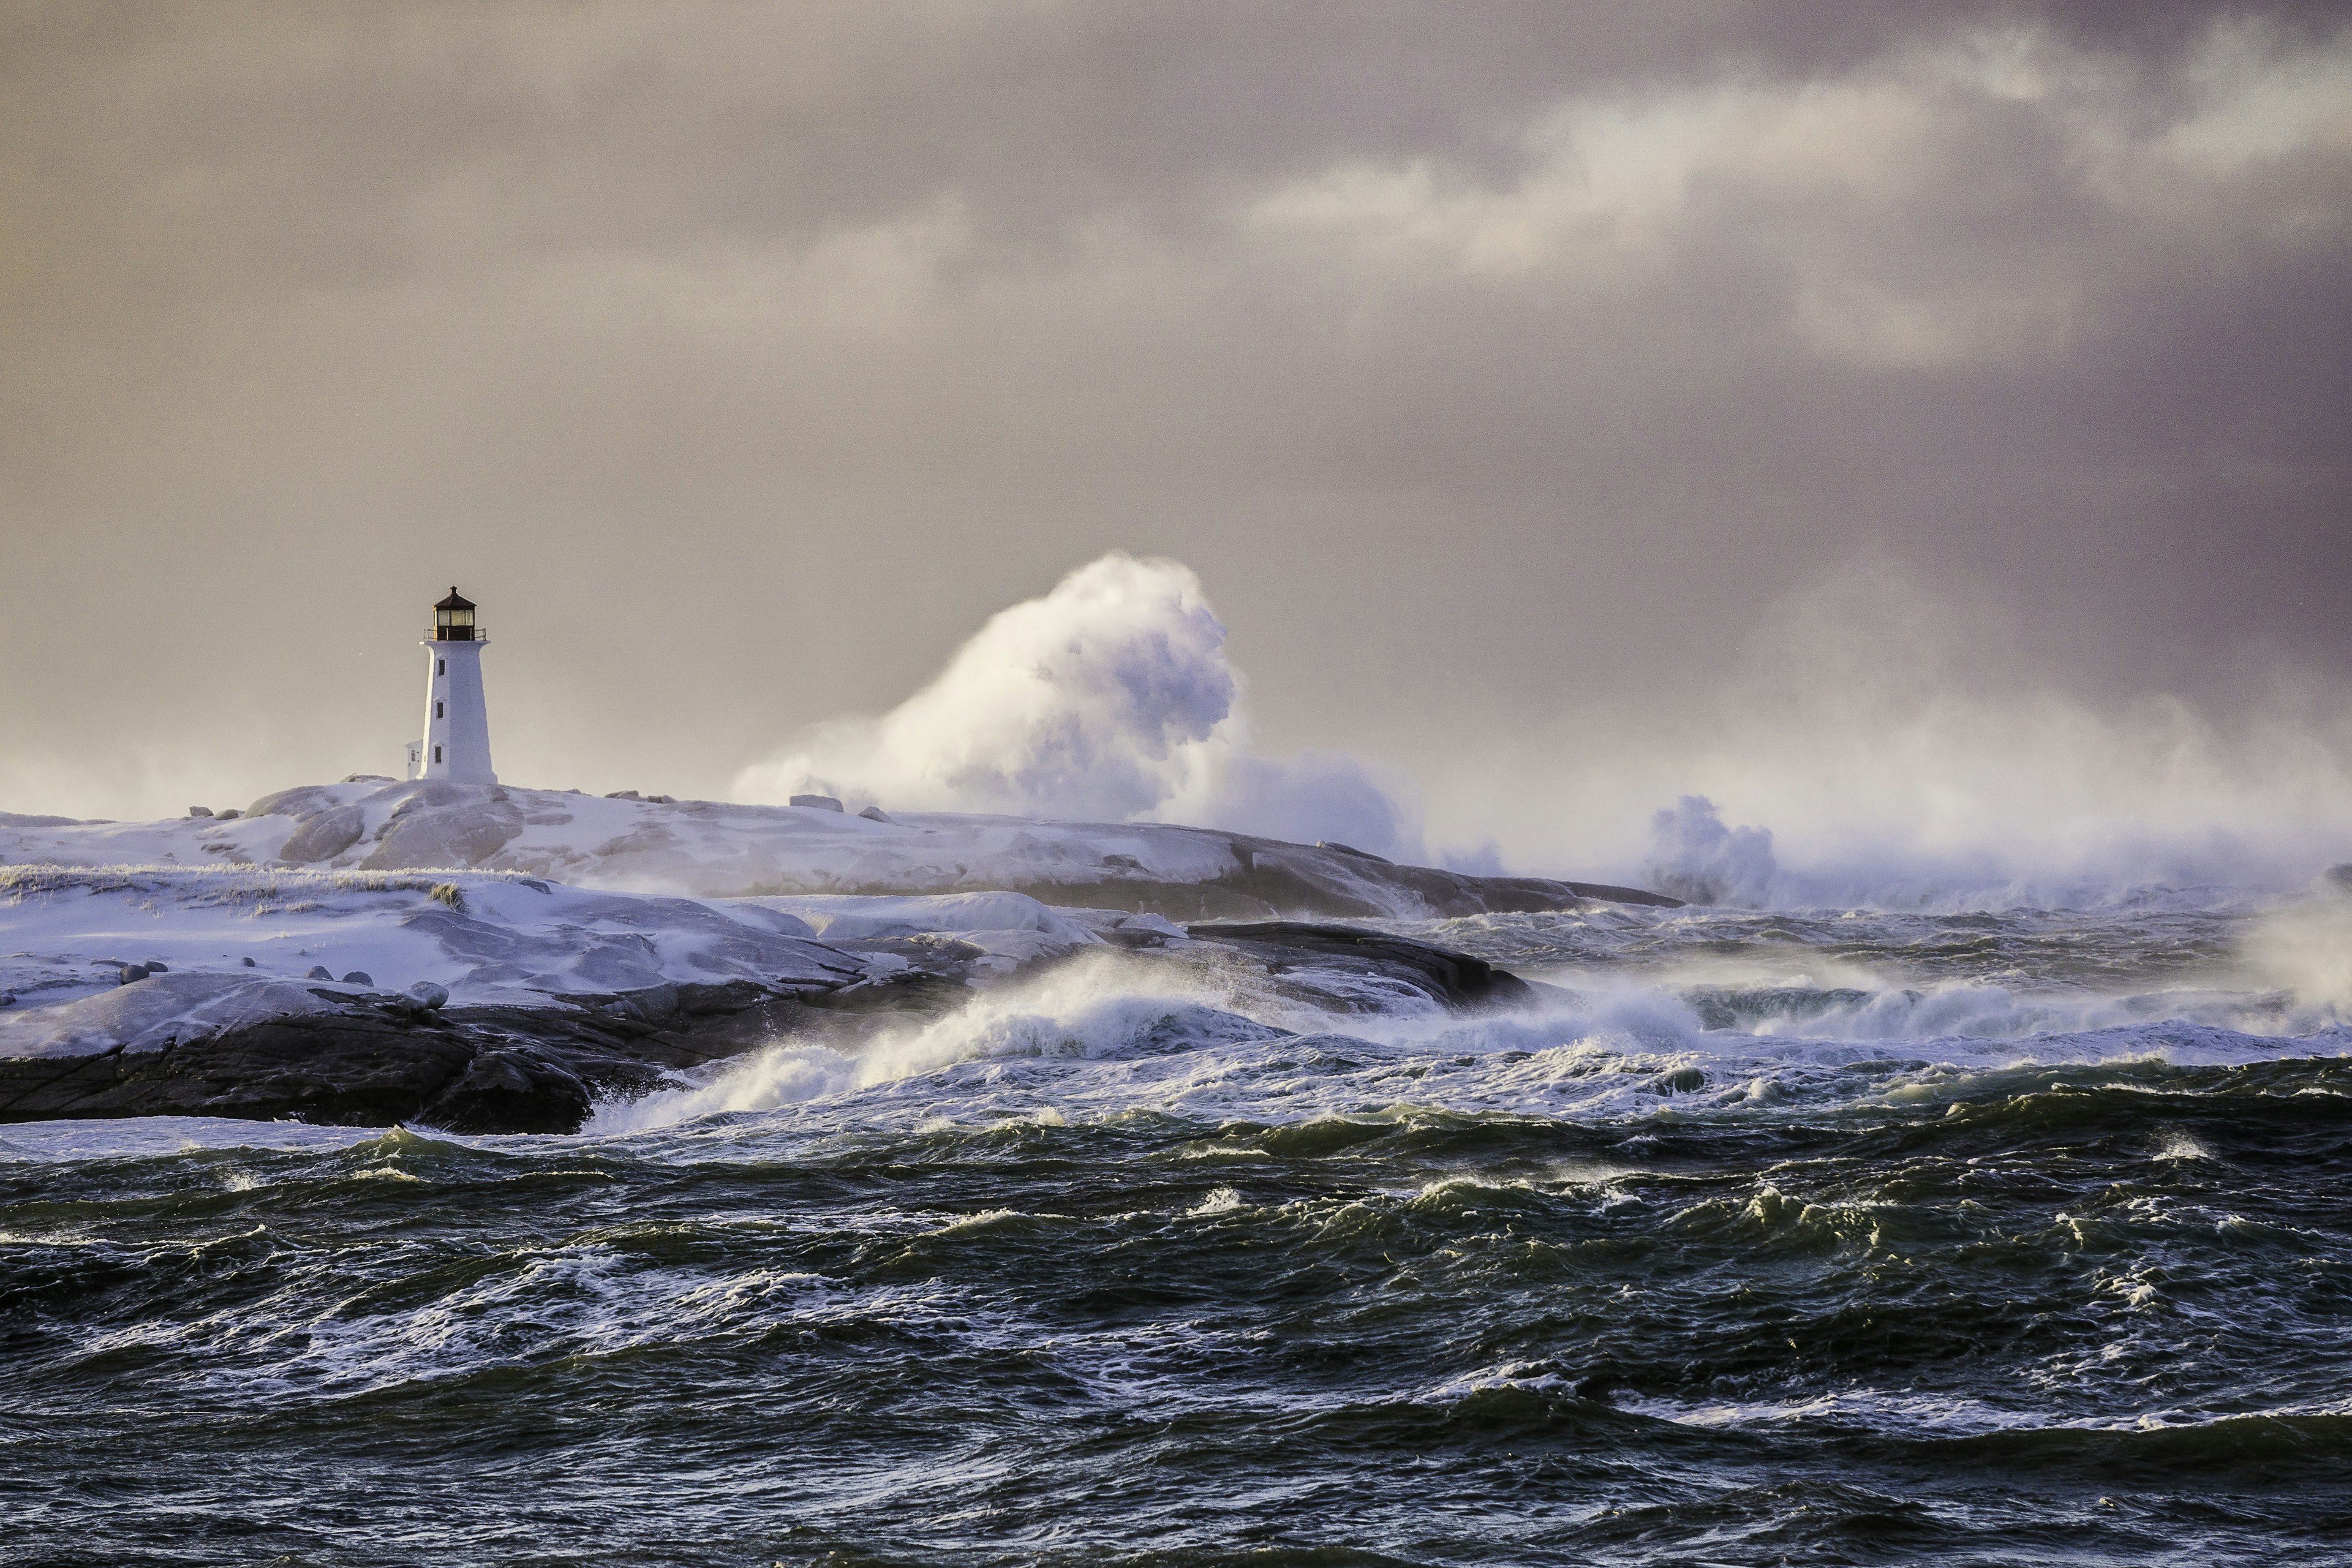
[[1484, 360]]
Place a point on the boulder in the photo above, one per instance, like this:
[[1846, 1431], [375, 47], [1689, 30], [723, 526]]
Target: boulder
[[428, 996], [442, 823], [200, 811], [652, 838], [320, 971], [876, 814], [322, 834], [1141, 931], [303, 800], [231, 815], [131, 972], [817, 802], [1454, 980], [359, 977]]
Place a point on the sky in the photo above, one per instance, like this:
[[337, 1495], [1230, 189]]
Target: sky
[[1934, 417]]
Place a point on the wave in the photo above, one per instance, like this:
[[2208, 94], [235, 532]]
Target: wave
[[1118, 1034], [1109, 698], [1104, 1006]]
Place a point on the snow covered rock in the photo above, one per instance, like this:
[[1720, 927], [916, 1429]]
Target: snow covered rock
[[475, 940], [323, 834], [710, 850], [436, 822], [163, 1009], [534, 998]]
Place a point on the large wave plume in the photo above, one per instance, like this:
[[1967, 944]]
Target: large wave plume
[[1109, 699]]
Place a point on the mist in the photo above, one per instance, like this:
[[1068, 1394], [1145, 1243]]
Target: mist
[[1878, 741]]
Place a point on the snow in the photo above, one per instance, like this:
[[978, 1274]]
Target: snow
[[713, 850], [66, 935], [848, 918], [1011, 928], [567, 894], [699, 848]]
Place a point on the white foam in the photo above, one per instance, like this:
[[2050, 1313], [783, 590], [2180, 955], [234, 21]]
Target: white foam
[[1931, 1415], [1111, 1004], [1114, 1034]]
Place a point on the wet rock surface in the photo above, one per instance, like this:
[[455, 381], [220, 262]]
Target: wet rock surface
[[1271, 878], [1452, 980], [381, 1062], [383, 1059]]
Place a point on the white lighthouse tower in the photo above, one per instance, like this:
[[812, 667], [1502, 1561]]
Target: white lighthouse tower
[[456, 744]]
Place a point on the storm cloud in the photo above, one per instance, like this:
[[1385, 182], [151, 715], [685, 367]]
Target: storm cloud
[[1492, 366]]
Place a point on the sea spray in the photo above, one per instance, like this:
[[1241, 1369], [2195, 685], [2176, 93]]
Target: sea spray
[[1109, 699], [1102, 1004]]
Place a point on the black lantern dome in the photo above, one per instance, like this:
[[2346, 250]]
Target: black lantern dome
[[453, 619]]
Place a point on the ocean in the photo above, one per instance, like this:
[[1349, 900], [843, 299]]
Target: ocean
[[2007, 1236]]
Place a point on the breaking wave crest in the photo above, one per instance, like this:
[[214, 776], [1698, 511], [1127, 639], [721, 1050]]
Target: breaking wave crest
[[1721, 1010]]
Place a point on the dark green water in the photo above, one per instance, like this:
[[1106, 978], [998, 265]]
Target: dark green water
[[1106, 1273]]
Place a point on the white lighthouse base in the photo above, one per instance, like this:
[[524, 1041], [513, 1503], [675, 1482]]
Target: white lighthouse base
[[457, 745]]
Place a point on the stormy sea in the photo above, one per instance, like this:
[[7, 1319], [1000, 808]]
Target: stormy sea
[[2012, 1235]]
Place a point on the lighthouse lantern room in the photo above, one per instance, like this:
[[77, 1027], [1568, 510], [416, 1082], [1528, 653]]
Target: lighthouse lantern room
[[457, 745], [453, 619]]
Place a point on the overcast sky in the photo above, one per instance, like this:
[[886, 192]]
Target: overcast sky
[[1485, 361]]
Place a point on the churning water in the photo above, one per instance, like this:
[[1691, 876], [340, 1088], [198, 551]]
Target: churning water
[[2018, 1237]]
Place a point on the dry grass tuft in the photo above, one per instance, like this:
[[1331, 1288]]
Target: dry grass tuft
[[235, 884]]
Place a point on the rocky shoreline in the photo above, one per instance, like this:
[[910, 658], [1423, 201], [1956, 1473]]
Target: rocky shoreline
[[512, 958], [382, 1060]]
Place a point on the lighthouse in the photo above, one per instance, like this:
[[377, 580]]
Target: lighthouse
[[457, 744]]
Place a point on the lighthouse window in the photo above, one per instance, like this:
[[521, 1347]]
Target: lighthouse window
[[440, 666], [436, 754], [436, 710]]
